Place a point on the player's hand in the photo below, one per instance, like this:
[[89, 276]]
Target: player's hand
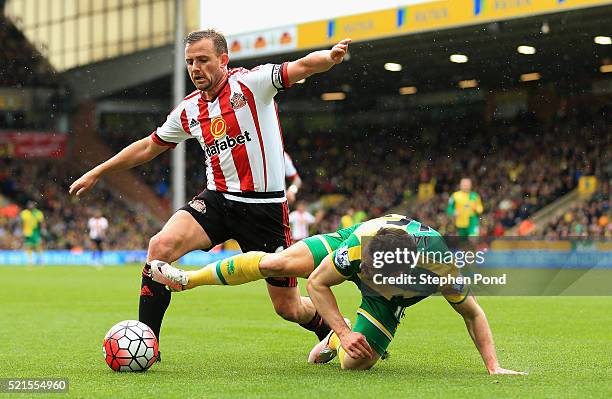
[[83, 183], [501, 371], [290, 197], [338, 52], [356, 346]]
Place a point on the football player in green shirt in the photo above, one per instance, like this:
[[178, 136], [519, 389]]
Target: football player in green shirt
[[330, 259]]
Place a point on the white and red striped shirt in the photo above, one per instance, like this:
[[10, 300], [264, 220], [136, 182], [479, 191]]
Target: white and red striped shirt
[[239, 131]]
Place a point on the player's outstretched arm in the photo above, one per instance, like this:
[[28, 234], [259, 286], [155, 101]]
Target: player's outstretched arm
[[135, 154], [317, 62], [319, 283], [478, 328]]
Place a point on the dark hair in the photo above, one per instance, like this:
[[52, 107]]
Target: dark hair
[[216, 37], [386, 240]]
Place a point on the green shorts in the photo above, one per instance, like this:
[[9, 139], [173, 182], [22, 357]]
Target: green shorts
[[322, 245], [470, 231], [378, 319], [32, 241]]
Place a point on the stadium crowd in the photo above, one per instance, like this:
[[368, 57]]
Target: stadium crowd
[[120, 129], [517, 167], [592, 218], [516, 180], [46, 183]]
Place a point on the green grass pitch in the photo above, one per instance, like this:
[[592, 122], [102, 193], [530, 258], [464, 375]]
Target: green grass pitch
[[227, 342]]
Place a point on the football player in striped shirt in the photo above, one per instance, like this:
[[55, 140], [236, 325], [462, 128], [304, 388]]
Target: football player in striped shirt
[[330, 259], [233, 116]]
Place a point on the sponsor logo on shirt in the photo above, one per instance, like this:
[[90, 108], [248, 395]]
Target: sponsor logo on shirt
[[226, 143], [193, 122], [218, 127]]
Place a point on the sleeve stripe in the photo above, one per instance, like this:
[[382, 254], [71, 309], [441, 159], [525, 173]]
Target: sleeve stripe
[[285, 75], [338, 271], [355, 253], [159, 141], [454, 300], [280, 76]]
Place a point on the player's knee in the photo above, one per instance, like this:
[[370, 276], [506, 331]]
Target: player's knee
[[349, 366], [287, 310], [356, 364], [161, 247]]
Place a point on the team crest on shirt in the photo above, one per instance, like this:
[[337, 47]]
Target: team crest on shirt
[[198, 205], [238, 101], [342, 258]]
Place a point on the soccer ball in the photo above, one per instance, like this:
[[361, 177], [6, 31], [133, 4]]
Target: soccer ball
[[130, 346]]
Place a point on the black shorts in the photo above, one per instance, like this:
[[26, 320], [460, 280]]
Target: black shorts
[[255, 226], [98, 242]]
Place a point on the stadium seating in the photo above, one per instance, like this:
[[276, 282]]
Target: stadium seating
[[66, 217], [511, 168], [120, 129], [511, 172], [591, 218]]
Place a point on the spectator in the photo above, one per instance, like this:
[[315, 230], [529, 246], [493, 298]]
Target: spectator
[[300, 221]]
